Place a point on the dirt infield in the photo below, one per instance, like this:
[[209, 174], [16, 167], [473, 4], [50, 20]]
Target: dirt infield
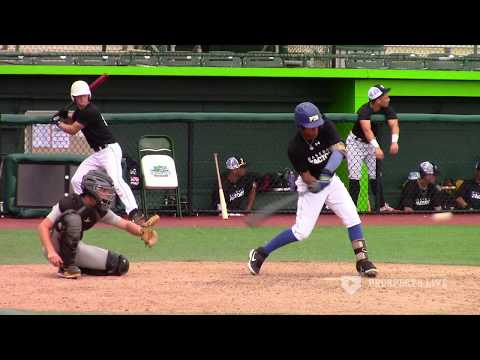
[[277, 220], [228, 288]]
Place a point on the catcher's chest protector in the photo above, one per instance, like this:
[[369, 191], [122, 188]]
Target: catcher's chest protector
[[90, 216]]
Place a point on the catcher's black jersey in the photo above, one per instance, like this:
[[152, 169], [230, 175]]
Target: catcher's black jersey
[[90, 216], [313, 155], [96, 130], [236, 194], [419, 199], [470, 192], [364, 113]]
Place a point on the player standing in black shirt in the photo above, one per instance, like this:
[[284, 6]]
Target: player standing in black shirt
[[108, 153], [315, 152], [468, 195], [362, 145], [422, 194]]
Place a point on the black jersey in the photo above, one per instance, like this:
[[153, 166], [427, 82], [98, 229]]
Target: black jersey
[[313, 155], [419, 199], [96, 130], [236, 194], [365, 113], [470, 192], [90, 216]]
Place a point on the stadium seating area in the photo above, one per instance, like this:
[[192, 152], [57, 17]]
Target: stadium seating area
[[429, 57]]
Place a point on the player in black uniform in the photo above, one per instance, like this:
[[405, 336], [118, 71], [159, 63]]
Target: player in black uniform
[[108, 153], [422, 194], [362, 145], [315, 152], [468, 195], [61, 232], [239, 188]]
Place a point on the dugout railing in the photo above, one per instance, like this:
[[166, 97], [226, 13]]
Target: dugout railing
[[451, 141]]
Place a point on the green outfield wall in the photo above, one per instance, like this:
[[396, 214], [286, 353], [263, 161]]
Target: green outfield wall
[[263, 138]]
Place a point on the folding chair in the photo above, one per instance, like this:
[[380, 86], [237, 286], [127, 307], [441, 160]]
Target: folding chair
[[157, 164]]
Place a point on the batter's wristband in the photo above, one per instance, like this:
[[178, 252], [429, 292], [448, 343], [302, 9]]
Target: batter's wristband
[[395, 138], [374, 143]]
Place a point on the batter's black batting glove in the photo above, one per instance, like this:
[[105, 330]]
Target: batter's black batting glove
[[55, 120]]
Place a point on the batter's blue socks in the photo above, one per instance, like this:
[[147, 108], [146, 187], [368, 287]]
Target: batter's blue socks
[[355, 232], [282, 239]]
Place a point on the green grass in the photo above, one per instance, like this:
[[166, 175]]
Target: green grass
[[441, 244]]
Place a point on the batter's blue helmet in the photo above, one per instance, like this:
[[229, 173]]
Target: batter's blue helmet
[[477, 165], [307, 115], [428, 168]]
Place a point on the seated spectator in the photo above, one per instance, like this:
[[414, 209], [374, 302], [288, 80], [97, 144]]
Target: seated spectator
[[238, 187], [422, 193], [447, 194], [468, 195]]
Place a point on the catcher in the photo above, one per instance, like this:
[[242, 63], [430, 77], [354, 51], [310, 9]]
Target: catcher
[[62, 230]]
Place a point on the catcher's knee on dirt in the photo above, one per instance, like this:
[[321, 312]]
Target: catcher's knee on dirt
[[116, 264], [70, 236]]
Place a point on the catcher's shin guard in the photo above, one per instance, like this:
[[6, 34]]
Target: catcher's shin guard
[[116, 265], [70, 236]]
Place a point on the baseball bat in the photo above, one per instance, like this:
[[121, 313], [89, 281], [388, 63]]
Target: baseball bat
[[223, 203], [98, 81], [263, 214]]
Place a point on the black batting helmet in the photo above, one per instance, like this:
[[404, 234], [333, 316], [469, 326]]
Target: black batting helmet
[[428, 168], [98, 184]]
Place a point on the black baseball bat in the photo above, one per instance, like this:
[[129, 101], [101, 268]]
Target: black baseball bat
[[263, 214], [99, 81]]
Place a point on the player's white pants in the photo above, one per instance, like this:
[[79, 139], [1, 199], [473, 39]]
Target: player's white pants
[[358, 152], [87, 256], [110, 160], [309, 206]]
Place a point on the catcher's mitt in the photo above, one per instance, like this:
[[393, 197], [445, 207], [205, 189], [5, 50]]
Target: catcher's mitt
[[148, 235]]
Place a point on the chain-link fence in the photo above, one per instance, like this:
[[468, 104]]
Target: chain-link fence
[[27, 49], [50, 139], [425, 50]]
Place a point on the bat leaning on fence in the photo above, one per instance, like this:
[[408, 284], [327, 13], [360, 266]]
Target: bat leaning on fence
[[221, 195]]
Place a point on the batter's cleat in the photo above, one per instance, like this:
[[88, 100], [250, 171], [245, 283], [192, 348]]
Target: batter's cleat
[[136, 217], [366, 268], [256, 259], [69, 272]]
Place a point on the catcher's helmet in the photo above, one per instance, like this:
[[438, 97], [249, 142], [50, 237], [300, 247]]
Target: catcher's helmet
[[78, 88], [428, 168], [307, 115], [98, 184]]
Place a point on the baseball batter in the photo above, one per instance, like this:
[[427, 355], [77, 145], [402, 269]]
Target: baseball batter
[[362, 145], [62, 230], [108, 153], [315, 152]]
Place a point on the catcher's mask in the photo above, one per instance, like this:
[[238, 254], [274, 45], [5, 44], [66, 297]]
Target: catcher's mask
[[99, 185]]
